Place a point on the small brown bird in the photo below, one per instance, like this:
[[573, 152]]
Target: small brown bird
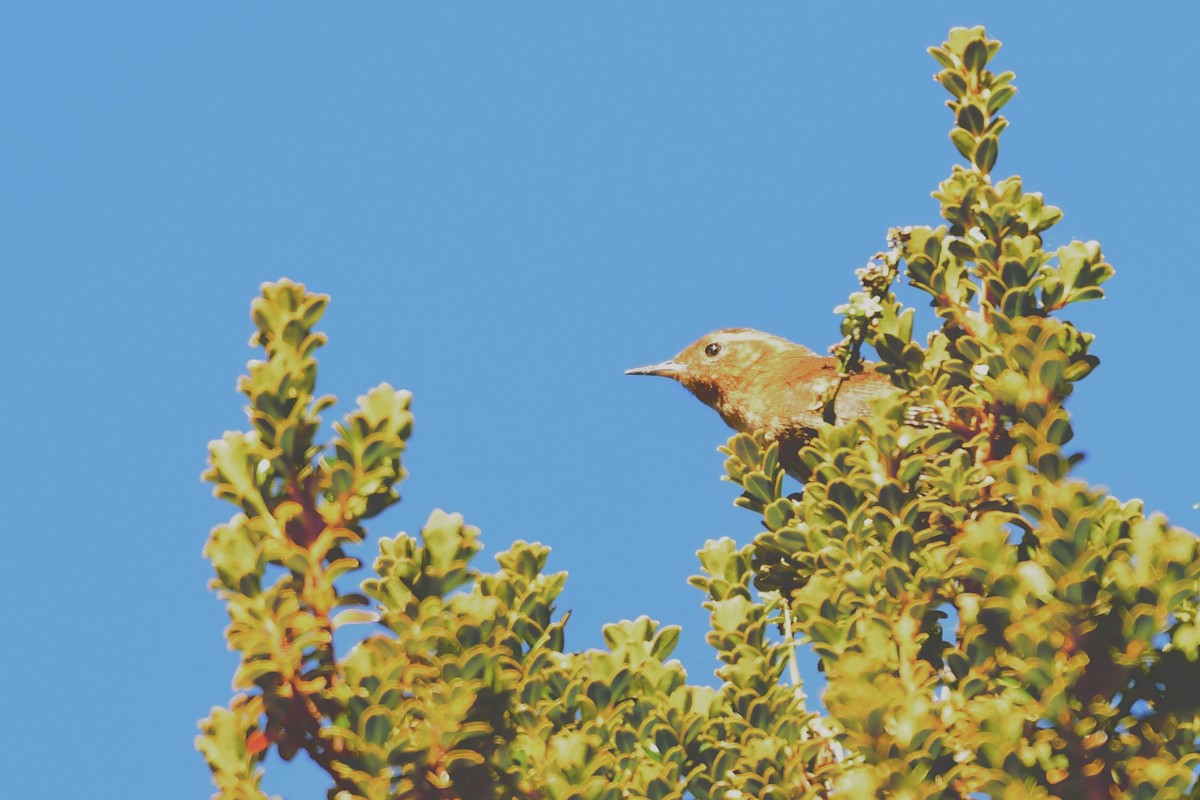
[[760, 382]]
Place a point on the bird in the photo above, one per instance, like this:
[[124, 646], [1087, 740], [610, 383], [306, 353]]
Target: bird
[[761, 382]]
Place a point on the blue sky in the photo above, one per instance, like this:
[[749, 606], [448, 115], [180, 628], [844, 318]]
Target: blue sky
[[510, 204]]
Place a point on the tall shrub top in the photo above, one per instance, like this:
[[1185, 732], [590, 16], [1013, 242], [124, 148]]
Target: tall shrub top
[[988, 625]]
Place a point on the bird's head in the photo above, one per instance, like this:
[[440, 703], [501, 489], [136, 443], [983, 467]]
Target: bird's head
[[720, 365]]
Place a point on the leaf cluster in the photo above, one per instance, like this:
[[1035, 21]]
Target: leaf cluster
[[460, 685], [988, 625]]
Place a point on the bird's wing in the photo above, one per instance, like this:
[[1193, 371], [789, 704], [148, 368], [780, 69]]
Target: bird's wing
[[861, 389], [854, 398], [801, 370]]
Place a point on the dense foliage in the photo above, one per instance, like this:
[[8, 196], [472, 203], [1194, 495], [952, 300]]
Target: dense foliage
[[988, 625]]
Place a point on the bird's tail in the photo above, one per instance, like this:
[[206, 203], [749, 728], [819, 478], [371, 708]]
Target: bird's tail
[[923, 417]]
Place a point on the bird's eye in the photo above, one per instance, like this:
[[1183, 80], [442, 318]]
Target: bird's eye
[[713, 350]]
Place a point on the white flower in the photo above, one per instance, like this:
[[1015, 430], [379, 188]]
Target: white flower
[[861, 306], [872, 274]]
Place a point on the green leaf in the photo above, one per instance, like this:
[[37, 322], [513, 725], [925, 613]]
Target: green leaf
[[963, 141], [971, 118], [942, 57], [745, 449], [999, 98], [759, 486], [778, 514], [954, 83], [985, 153], [1089, 293], [353, 616], [975, 56], [665, 641]]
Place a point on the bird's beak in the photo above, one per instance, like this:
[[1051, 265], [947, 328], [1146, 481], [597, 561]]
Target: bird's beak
[[667, 369]]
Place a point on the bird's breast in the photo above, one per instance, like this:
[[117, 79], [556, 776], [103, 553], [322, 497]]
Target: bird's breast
[[774, 410]]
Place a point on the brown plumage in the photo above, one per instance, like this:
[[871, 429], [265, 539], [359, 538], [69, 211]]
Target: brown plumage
[[760, 382]]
